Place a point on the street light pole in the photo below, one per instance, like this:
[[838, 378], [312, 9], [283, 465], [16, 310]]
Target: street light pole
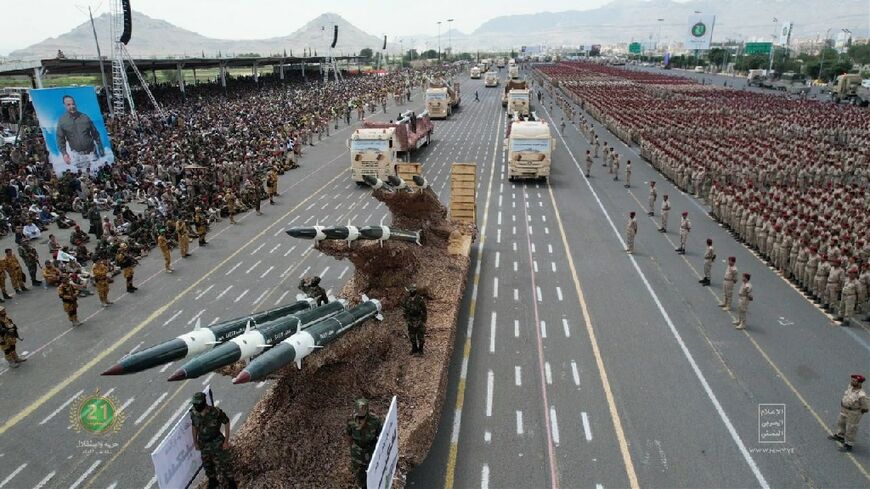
[[439, 42], [450, 37], [659, 40], [822, 54]]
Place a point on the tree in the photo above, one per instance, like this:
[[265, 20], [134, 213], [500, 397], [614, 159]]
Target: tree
[[717, 56], [366, 53], [859, 53], [412, 54], [249, 55], [430, 54]]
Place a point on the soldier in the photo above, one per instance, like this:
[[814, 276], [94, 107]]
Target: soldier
[[685, 227], [597, 145], [8, 338], [833, 286], [850, 297], [69, 295], [728, 283], [627, 174], [230, 199], [183, 237], [213, 445], [31, 260], [709, 258], [588, 163], [853, 405], [126, 262], [272, 185], [745, 295], [164, 248], [653, 194], [810, 270], [13, 268], [254, 195], [666, 210], [201, 223], [362, 435], [820, 280], [311, 287], [415, 316], [3, 280], [630, 232], [100, 273]]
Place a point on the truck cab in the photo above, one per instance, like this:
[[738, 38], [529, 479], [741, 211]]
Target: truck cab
[[519, 101], [529, 147], [475, 73], [513, 71], [491, 79], [372, 152], [438, 103]]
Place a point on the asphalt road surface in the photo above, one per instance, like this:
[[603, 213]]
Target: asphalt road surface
[[575, 364]]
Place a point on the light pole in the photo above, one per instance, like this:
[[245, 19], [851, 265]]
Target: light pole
[[439, 42], [659, 40], [449, 37], [772, 50], [401, 53], [822, 54]]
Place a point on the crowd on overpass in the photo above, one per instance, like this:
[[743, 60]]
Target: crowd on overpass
[[789, 177]]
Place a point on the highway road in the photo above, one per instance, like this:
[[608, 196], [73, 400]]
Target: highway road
[[576, 365]]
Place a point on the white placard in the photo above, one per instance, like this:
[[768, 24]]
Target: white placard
[[176, 460], [384, 460], [700, 31]]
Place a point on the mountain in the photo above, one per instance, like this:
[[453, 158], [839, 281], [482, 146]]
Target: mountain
[[155, 37]]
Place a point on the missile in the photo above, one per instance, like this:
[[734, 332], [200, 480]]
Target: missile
[[347, 233], [253, 341], [421, 182], [300, 345], [307, 232], [383, 233], [199, 340], [397, 182], [375, 182]]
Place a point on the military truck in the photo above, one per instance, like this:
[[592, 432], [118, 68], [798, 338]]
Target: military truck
[[442, 99], [377, 147], [513, 71], [529, 148], [755, 77], [851, 89], [521, 92], [475, 73], [500, 63], [791, 82], [490, 79]]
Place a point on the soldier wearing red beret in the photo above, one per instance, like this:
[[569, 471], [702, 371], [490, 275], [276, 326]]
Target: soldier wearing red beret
[[853, 405]]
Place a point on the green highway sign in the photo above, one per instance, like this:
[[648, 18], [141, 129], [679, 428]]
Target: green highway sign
[[634, 48], [758, 48]]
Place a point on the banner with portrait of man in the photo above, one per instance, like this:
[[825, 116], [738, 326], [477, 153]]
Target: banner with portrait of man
[[73, 128]]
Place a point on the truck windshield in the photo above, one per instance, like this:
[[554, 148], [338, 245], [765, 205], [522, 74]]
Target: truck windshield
[[436, 96], [369, 144], [519, 96], [530, 145]]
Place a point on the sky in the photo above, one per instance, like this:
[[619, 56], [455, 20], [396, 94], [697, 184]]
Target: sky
[[257, 19]]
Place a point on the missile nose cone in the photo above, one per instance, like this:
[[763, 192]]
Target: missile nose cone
[[420, 181], [304, 233], [178, 375], [394, 181], [370, 180], [243, 378], [116, 369]]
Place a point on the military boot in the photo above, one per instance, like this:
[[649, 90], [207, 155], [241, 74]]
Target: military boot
[[17, 359], [6, 296], [213, 484]]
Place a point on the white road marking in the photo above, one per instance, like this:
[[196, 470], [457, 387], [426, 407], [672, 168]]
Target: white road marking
[[290, 250], [555, 425], [484, 477], [151, 482], [495, 288], [490, 383], [199, 296], [235, 419], [253, 266], [518, 375], [341, 275], [498, 220], [599, 486], [61, 408], [309, 206], [549, 248], [282, 297], [575, 373], [516, 295], [497, 257], [237, 299], [128, 402], [498, 235], [260, 297], [559, 293], [274, 248], [169, 422], [263, 275], [86, 474], [515, 266], [535, 265], [166, 367], [553, 266], [323, 273], [278, 232], [546, 230], [12, 475], [285, 272], [533, 247], [231, 270], [45, 480], [487, 436], [219, 296], [540, 297], [195, 317], [301, 275], [520, 429], [586, 429], [492, 333], [293, 220], [150, 408], [172, 318], [514, 246], [547, 373], [258, 248], [513, 230], [543, 329], [261, 384]]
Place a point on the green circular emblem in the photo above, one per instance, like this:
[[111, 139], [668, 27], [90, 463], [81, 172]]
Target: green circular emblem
[[97, 414], [699, 29]]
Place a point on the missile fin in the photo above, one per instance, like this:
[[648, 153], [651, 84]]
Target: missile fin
[[198, 325], [299, 364]]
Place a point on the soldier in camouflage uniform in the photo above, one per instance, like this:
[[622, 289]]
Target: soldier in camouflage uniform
[[100, 274], [211, 443], [31, 260], [415, 316], [311, 287], [126, 261], [69, 295], [8, 338], [13, 268], [201, 223], [362, 434]]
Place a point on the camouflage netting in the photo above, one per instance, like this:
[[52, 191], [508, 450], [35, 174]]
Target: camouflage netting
[[294, 435]]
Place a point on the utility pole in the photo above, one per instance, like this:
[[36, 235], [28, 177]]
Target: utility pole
[[102, 69], [822, 53], [439, 42], [450, 37]]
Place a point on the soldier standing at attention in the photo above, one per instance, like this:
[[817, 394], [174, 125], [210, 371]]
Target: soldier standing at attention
[[8, 338], [272, 185], [850, 297], [69, 295], [213, 445], [230, 199], [853, 405], [666, 210], [362, 434], [126, 262], [630, 232], [685, 227], [100, 273], [415, 317], [653, 194], [588, 163], [13, 268], [201, 223], [627, 174], [597, 145], [709, 258], [183, 237], [3, 280], [745, 295], [728, 283], [164, 248], [31, 259]]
